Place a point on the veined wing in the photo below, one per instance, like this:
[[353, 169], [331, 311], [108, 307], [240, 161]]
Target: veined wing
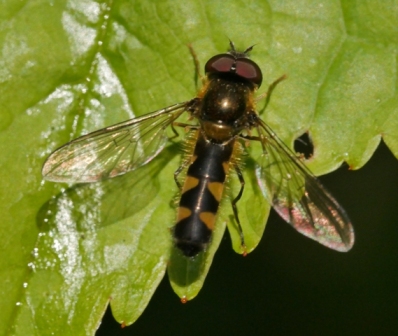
[[113, 150], [298, 197]]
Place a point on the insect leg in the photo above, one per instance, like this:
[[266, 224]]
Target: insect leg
[[254, 138], [267, 95], [197, 66], [184, 164], [187, 161], [187, 127], [235, 209]]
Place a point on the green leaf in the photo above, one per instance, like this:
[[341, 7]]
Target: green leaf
[[70, 67]]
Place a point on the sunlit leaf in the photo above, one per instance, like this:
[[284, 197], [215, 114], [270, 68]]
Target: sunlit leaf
[[71, 67]]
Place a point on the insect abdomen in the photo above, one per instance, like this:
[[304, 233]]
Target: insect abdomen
[[201, 195]]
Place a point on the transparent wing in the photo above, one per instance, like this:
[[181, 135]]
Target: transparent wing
[[113, 150], [298, 197]]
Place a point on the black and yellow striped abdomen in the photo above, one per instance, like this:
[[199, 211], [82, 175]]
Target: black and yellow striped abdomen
[[201, 195]]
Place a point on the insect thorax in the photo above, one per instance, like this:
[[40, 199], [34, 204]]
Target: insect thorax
[[225, 106]]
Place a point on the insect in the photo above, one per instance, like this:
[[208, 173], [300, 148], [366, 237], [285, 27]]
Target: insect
[[224, 117]]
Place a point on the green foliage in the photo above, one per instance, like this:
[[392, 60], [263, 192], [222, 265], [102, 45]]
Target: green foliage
[[70, 67]]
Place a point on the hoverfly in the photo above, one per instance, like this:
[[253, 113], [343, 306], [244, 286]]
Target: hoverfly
[[224, 117]]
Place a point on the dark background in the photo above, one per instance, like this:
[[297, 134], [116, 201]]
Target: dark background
[[291, 285]]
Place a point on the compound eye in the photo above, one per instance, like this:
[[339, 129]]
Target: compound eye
[[220, 63], [249, 70]]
